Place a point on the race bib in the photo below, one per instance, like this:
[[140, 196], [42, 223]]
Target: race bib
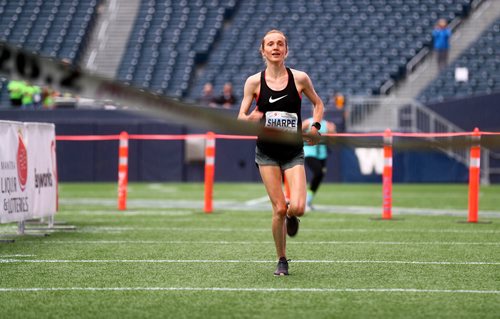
[[282, 120]]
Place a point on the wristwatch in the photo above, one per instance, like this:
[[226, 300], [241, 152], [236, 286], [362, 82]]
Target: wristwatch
[[317, 125]]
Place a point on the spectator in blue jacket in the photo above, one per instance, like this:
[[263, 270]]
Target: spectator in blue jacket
[[441, 41]]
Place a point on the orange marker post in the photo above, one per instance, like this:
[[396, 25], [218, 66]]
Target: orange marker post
[[474, 171], [123, 171], [209, 171], [387, 176]]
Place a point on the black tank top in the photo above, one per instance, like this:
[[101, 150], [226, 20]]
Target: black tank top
[[282, 111]]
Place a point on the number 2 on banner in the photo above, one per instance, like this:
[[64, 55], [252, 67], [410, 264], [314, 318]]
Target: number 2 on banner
[[17, 64]]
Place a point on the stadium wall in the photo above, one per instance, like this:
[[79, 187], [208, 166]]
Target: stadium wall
[[165, 161], [470, 112]]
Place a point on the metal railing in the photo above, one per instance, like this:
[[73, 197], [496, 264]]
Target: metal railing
[[372, 114]]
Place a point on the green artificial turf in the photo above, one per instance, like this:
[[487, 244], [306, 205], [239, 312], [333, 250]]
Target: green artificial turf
[[164, 258]]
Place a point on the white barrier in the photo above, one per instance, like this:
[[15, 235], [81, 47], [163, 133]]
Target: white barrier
[[28, 171]]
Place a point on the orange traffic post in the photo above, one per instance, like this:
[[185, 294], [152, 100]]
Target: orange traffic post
[[123, 171], [387, 176], [209, 171], [474, 171]]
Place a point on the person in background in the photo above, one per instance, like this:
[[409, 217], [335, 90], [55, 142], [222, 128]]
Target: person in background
[[339, 112], [15, 89], [48, 95], [315, 158], [227, 100], [28, 92], [207, 95], [37, 97], [278, 92], [441, 42]]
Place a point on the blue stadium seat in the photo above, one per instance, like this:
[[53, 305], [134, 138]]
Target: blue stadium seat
[[167, 38], [356, 44], [53, 28], [175, 47]]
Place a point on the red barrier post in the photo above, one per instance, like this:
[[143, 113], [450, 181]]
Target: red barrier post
[[123, 171], [209, 171], [474, 176], [387, 176]]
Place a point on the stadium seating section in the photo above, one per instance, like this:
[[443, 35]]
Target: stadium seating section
[[482, 61], [176, 46], [352, 46], [54, 28], [168, 38]]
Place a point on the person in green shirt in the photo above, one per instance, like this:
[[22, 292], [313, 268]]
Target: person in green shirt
[[27, 100], [15, 93]]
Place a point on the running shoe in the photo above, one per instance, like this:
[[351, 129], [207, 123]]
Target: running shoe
[[309, 199], [282, 268], [292, 225]]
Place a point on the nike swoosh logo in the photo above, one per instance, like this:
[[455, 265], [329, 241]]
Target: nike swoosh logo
[[271, 100]]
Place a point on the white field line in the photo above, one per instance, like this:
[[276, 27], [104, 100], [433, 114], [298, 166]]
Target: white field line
[[231, 289], [122, 229], [330, 230], [157, 187], [223, 242], [16, 255], [261, 204], [257, 201], [234, 261], [106, 229], [149, 212]]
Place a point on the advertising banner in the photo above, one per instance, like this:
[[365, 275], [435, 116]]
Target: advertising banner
[[28, 171]]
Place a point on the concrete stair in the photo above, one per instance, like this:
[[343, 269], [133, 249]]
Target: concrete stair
[[108, 42]]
